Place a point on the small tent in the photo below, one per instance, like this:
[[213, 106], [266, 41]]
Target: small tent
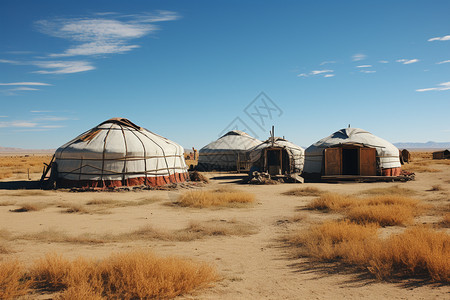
[[352, 151], [224, 153], [277, 156], [119, 153]]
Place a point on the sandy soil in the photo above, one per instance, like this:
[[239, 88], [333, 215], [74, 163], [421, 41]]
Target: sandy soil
[[256, 266]]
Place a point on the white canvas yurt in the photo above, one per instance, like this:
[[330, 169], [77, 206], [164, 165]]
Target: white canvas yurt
[[352, 151], [277, 156], [223, 153], [119, 153]]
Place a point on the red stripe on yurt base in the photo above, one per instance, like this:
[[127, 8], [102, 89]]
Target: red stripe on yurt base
[[150, 181], [391, 171]]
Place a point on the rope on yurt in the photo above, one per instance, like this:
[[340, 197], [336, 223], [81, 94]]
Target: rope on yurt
[[164, 155], [103, 154], [145, 156], [126, 154]]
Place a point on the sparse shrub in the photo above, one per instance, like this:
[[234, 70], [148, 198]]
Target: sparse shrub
[[436, 188], [197, 176], [445, 221], [385, 215], [202, 199], [30, 207], [76, 208], [305, 191], [134, 275], [393, 190], [418, 251], [332, 201], [12, 280]]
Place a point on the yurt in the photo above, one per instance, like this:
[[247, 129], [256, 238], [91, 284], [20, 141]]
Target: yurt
[[352, 151], [277, 156], [119, 153], [224, 153]]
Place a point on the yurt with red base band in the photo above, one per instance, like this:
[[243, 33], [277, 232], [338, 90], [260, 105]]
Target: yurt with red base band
[[119, 153], [352, 151]]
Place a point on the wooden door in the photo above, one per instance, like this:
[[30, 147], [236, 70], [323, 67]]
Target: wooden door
[[333, 161], [367, 162]]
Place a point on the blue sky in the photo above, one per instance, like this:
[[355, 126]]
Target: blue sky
[[188, 70]]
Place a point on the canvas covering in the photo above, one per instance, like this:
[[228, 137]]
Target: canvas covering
[[222, 154], [295, 152], [119, 151], [387, 154]]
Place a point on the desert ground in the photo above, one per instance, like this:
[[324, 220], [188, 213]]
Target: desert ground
[[245, 243]]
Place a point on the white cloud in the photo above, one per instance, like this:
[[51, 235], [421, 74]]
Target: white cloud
[[443, 62], [441, 87], [63, 67], [8, 61], [23, 88], [407, 61], [107, 33], [327, 62], [383, 61], [328, 75], [316, 72], [358, 57], [51, 118], [364, 66], [367, 71], [20, 124], [25, 83], [40, 111], [443, 38]]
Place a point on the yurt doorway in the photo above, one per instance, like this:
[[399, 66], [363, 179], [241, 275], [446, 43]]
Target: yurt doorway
[[276, 161], [350, 161]]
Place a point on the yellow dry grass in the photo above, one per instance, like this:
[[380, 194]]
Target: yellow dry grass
[[306, 191], [418, 251], [12, 280], [393, 190], [133, 275], [222, 198], [18, 165], [30, 206], [386, 210]]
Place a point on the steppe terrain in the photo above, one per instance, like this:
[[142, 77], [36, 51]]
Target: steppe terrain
[[245, 243]]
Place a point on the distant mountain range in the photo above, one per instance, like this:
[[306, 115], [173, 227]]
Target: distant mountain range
[[427, 145], [20, 150]]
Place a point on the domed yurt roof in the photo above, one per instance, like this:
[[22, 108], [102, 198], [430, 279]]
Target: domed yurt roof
[[295, 152], [387, 154], [118, 152], [222, 153]]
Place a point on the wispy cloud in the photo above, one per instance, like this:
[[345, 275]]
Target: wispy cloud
[[407, 61], [9, 61], [364, 66], [40, 111], [442, 38], [106, 33], [443, 62], [327, 62], [383, 61], [358, 57], [441, 87], [20, 124], [23, 88], [317, 72], [367, 71], [63, 67], [328, 75], [25, 83]]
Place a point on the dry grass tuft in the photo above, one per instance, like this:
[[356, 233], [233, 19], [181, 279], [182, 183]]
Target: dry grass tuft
[[386, 210], [197, 176], [418, 251], [12, 280], [76, 208], [223, 198], [306, 191], [221, 227], [110, 203], [436, 187], [30, 207], [134, 275], [7, 203], [393, 190], [330, 201], [25, 193], [55, 236], [445, 221]]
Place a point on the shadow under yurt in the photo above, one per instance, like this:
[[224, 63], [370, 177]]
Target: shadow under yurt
[[118, 153], [351, 153]]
